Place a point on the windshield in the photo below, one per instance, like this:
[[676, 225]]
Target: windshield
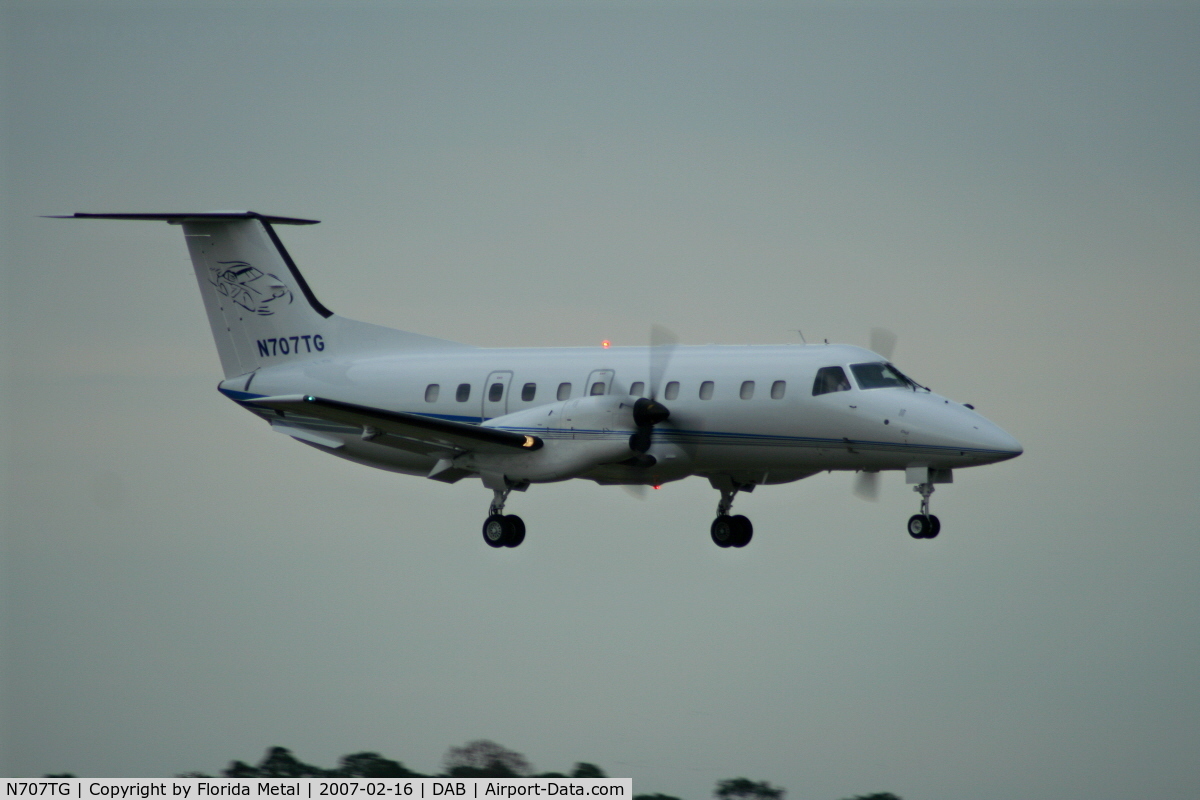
[[881, 376]]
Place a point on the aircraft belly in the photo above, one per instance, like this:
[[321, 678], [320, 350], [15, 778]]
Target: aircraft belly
[[809, 455]]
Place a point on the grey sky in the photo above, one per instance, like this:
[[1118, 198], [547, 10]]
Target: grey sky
[[1011, 188]]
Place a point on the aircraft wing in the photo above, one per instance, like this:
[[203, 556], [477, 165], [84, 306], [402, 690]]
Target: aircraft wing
[[413, 432]]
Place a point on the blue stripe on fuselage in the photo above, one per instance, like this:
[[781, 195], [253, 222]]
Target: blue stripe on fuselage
[[692, 436]]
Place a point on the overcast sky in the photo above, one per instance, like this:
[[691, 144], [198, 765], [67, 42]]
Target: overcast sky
[[1013, 188]]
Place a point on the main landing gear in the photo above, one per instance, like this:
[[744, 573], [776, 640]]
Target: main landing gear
[[500, 529], [727, 530], [924, 525]]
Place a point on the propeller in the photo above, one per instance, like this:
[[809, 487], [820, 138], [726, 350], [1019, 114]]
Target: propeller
[[635, 490], [883, 342], [866, 484], [662, 346], [647, 411]]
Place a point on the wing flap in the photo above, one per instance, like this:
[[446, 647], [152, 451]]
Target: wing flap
[[413, 432], [305, 435]]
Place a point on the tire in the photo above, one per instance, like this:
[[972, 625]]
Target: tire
[[935, 527], [517, 533], [919, 526], [496, 530], [745, 530], [724, 531]]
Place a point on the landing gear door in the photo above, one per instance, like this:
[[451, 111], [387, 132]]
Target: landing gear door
[[599, 382], [495, 394]]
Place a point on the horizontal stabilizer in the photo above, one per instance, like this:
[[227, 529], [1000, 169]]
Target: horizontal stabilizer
[[194, 217], [412, 432]]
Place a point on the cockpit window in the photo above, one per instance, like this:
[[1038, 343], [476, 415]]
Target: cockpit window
[[881, 376], [830, 379]]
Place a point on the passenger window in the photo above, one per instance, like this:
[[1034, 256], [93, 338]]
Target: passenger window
[[672, 390], [564, 391], [706, 390], [638, 389], [747, 391], [431, 393], [495, 392], [777, 390], [597, 388], [830, 379], [528, 391], [464, 393]]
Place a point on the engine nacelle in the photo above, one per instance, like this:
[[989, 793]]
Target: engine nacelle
[[578, 434]]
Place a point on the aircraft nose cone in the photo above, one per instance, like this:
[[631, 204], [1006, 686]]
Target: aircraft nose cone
[[995, 443]]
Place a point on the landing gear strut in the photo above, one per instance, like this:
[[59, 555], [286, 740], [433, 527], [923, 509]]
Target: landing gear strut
[[924, 525], [727, 530], [500, 529]]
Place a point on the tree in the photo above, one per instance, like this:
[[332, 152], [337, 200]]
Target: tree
[[746, 789], [484, 758], [875, 796], [481, 758], [586, 770], [372, 765], [277, 763], [240, 769], [654, 797]]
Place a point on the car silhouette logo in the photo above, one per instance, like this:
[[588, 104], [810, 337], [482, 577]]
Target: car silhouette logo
[[254, 290]]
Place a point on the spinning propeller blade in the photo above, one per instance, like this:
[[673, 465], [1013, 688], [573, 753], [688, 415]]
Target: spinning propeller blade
[[635, 490], [883, 342], [647, 411], [662, 345], [866, 484]]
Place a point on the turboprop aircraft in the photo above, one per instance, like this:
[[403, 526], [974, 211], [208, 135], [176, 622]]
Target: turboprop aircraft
[[740, 416]]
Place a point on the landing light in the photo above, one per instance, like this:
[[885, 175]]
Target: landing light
[[605, 344]]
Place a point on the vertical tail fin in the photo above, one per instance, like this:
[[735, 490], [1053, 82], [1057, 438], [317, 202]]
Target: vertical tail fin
[[261, 309], [259, 306]]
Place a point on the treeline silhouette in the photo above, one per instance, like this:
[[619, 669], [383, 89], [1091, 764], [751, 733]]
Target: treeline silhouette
[[481, 758]]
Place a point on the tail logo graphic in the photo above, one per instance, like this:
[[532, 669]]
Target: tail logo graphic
[[254, 290]]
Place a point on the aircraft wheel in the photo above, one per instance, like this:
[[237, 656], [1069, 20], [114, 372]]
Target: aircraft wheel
[[724, 531], [919, 526], [935, 527], [496, 530], [745, 530], [517, 533]]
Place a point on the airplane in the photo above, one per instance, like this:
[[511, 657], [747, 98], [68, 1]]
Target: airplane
[[740, 416]]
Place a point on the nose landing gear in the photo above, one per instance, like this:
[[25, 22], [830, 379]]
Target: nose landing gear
[[924, 525]]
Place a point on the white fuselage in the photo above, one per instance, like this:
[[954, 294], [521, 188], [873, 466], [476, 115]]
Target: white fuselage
[[748, 412]]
